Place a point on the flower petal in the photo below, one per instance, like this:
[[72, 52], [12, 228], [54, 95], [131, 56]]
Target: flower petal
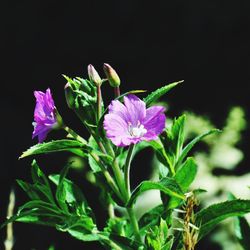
[[136, 109], [154, 121], [116, 107]]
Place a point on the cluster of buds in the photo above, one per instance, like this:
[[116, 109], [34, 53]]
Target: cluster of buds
[[110, 73]]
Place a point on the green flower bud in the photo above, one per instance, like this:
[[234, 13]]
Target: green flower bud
[[112, 76], [94, 76]]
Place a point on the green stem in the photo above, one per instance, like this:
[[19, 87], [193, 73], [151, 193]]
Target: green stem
[[120, 180], [108, 177], [127, 168], [99, 102], [75, 135], [130, 210], [111, 211], [134, 223]]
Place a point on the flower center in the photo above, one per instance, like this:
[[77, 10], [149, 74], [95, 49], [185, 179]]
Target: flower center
[[136, 131]]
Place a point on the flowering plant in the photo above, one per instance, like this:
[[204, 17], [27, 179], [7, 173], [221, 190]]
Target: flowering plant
[[116, 134]]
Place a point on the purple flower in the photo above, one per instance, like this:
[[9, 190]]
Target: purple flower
[[45, 115], [131, 122]]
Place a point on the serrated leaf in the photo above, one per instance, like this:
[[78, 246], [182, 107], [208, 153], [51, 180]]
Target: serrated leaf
[[190, 145], [166, 185], [184, 177], [209, 217], [73, 146], [155, 95]]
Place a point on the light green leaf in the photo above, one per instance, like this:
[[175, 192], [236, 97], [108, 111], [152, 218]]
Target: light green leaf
[[166, 185], [73, 146], [184, 177], [155, 95], [209, 217], [190, 145]]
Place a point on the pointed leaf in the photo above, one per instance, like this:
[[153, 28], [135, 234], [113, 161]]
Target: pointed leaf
[[209, 217], [173, 139], [166, 185], [73, 196], [155, 95], [184, 177], [190, 145], [73, 146]]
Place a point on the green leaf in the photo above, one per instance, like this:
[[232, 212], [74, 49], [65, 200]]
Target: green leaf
[[242, 232], [161, 154], [157, 237], [190, 145], [73, 146], [36, 191], [209, 217], [151, 218], [84, 237], [73, 196], [166, 185], [155, 95], [92, 163], [184, 177], [241, 228], [173, 139], [125, 242]]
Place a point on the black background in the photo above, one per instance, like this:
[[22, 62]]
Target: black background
[[206, 43]]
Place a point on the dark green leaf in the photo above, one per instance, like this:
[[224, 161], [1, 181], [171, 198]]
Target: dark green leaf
[[242, 232], [173, 139], [36, 191], [154, 96], [125, 242], [150, 218], [166, 185], [190, 145], [241, 228], [73, 146], [209, 217], [184, 177], [73, 196]]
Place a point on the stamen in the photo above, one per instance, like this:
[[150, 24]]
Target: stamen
[[136, 131]]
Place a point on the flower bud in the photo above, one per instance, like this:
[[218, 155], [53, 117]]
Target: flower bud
[[94, 76], [112, 76], [70, 99]]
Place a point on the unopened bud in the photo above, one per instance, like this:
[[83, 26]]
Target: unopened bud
[[112, 76], [69, 95], [94, 76]]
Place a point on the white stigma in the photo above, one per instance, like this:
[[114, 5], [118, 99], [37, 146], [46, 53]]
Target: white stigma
[[137, 131]]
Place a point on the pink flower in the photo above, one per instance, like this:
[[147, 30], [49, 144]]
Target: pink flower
[[131, 122], [44, 115]]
